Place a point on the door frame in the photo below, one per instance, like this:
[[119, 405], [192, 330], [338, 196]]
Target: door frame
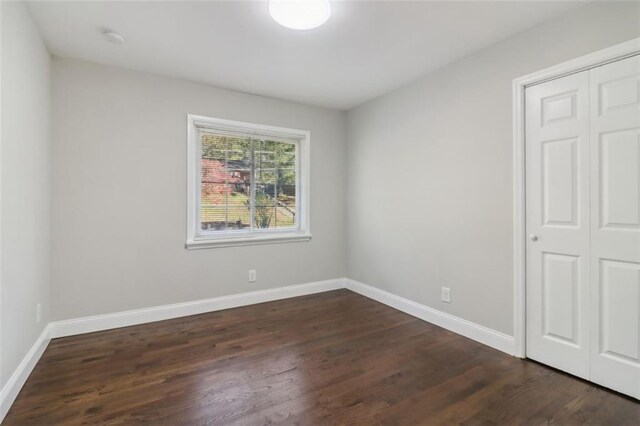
[[601, 57]]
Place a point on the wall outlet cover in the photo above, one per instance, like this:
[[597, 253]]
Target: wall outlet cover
[[446, 294]]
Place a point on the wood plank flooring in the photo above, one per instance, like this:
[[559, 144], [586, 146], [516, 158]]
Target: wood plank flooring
[[331, 358]]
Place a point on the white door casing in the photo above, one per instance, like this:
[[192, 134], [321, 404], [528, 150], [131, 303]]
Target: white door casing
[[557, 223], [615, 225]]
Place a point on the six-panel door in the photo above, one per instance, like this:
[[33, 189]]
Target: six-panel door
[[583, 216], [615, 225], [557, 135]]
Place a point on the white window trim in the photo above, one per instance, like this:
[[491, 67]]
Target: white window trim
[[302, 233]]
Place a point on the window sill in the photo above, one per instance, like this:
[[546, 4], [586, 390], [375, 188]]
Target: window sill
[[206, 243]]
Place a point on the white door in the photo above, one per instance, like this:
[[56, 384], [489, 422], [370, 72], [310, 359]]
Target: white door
[[557, 199], [615, 225]]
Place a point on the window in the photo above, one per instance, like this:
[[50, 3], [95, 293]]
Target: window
[[248, 183]]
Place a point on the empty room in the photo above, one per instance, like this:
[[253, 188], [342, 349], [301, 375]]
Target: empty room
[[320, 212]]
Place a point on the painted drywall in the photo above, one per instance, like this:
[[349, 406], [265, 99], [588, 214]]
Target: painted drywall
[[119, 193], [25, 168], [430, 170]]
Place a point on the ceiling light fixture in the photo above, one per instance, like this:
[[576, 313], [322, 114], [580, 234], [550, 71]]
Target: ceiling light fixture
[[300, 14]]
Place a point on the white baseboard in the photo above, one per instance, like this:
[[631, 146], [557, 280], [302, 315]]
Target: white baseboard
[[11, 389], [479, 333], [158, 313]]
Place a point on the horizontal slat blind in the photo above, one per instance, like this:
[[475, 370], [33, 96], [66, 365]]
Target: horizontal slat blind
[[247, 184]]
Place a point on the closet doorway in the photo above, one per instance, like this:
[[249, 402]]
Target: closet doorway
[[582, 223]]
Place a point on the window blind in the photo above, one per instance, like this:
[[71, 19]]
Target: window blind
[[248, 183]]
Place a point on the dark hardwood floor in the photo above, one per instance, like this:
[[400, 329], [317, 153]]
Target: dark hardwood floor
[[330, 358]]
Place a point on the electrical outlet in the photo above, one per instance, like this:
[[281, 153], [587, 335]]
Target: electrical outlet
[[252, 276], [446, 294], [38, 313]]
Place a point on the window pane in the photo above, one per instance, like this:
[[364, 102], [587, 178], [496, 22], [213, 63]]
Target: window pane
[[225, 182], [213, 218], [286, 188], [265, 179], [264, 206], [239, 217], [275, 180], [286, 193]]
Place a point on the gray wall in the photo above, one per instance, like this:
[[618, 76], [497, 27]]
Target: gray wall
[[119, 193], [430, 170], [26, 157]]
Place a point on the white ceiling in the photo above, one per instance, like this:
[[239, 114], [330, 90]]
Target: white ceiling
[[366, 49]]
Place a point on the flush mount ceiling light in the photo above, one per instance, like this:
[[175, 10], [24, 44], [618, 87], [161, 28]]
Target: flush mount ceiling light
[[300, 14]]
